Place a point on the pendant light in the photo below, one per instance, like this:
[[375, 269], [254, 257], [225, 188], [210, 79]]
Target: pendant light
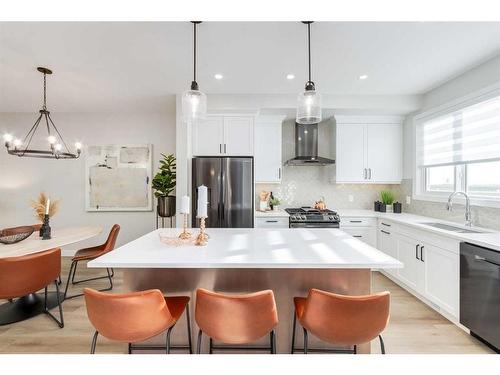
[[194, 102], [309, 101], [57, 148]]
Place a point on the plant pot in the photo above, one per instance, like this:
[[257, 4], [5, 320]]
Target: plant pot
[[166, 206], [388, 207]]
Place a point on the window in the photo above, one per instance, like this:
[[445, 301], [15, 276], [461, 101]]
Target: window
[[460, 151]]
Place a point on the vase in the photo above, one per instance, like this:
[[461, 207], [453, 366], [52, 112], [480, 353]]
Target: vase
[[166, 206]]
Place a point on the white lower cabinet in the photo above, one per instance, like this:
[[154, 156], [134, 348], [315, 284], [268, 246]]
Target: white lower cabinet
[[386, 242], [271, 222], [362, 228], [408, 253], [429, 270], [442, 277]]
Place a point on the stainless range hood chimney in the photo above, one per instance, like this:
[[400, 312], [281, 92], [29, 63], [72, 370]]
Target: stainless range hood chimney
[[306, 147]]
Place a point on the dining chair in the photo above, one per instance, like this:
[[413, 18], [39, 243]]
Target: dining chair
[[236, 319], [135, 317], [91, 253], [24, 275], [347, 321]]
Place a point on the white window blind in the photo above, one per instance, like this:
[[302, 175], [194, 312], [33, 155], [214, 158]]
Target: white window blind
[[471, 134]]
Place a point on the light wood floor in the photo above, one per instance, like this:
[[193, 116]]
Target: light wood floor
[[414, 327]]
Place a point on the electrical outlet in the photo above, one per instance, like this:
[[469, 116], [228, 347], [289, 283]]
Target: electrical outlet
[[408, 199], [350, 197]]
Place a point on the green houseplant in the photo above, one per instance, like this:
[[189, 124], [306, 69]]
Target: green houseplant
[[164, 184], [387, 198]]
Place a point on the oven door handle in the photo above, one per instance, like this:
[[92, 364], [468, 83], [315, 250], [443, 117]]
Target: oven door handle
[[482, 259]]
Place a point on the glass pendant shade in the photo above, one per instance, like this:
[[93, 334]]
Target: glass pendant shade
[[308, 107], [194, 105]]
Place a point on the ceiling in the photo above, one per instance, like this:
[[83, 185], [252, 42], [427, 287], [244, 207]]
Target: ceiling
[[119, 66]]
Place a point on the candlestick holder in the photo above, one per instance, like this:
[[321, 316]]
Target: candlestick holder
[[185, 235], [45, 229], [202, 238]]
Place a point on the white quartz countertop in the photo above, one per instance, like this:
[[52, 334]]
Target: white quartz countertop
[[490, 238], [250, 248], [277, 212]]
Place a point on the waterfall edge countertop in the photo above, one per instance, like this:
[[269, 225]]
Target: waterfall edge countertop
[[250, 248]]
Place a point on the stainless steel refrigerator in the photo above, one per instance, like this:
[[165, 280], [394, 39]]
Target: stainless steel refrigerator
[[230, 190]]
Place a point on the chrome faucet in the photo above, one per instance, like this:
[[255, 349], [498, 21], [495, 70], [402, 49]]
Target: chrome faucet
[[468, 216]]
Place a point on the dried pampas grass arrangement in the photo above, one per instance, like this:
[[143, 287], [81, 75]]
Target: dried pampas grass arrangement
[[39, 205]]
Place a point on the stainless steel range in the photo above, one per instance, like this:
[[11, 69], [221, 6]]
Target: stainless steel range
[[307, 217]]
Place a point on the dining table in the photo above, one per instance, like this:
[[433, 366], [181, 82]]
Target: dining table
[[33, 304]]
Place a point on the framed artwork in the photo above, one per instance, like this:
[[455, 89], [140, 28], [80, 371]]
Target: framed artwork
[[118, 178]]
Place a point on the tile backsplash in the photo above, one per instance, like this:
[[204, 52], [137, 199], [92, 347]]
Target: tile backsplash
[[481, 216], [303, 186]]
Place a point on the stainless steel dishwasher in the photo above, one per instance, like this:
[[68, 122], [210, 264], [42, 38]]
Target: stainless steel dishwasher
[[480, 292]]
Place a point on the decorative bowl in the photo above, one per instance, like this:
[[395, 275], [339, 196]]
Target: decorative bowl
[[12, 235]]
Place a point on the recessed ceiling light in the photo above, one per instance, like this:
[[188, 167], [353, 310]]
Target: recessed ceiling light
[[290, 76], [363, 76], [218, 76]]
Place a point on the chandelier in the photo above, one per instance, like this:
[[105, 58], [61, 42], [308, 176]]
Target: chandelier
[[57, 146]]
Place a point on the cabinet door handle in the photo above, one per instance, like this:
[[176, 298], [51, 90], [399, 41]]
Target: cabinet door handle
[[387, 225], [422, 253], [383, 231], [279, 173], [271, 221], [355, 221], [358, 236], [365, 174], [225, 148], [483, 259], [416, 252], [369, 173], [220, 148]]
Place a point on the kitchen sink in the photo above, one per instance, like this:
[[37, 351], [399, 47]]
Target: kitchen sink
[[453, 228]]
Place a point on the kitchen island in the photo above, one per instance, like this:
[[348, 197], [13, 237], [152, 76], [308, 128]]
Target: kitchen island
[[287, 261]]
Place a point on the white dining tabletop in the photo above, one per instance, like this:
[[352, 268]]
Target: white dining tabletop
[[60, 237]]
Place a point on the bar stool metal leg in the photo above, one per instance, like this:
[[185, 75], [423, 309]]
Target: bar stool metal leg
[[189, 329], [198, 348], [382, 346], [60, 322], [211, 350], [94, 342], [167, 346], [272, 337], [305, 341], [293, 331]]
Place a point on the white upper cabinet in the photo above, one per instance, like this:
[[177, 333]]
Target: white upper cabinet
[[223, 136], [238, 136], [268, 140], [208, 136], [350, 160], [369, 150]]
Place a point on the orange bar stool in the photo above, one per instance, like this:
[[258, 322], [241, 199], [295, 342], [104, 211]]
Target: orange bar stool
[[344, 320], [236, 319], [22, 277], [89, 254], [135, 317]]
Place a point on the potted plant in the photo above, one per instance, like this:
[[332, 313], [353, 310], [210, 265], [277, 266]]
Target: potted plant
[[164, 184], [274, 202], [387, 198]]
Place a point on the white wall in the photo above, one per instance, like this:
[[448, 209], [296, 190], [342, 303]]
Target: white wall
[[21, 179]]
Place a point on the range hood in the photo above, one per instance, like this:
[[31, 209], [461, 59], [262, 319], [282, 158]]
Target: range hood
[[306, 147]]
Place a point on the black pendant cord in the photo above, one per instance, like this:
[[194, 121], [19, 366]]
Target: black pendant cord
[[44, 92], [309, 47], [194, 54], [194, 84]]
